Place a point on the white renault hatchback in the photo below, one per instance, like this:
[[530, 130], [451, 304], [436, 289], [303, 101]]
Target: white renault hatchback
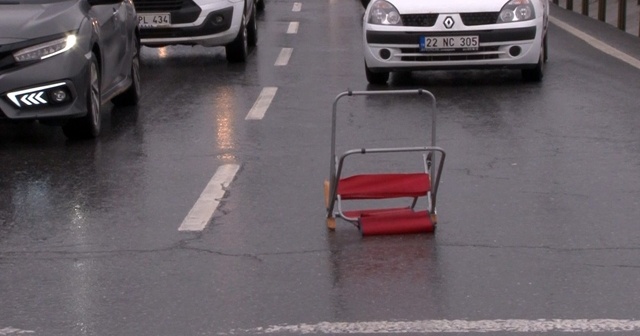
[[411, 35]]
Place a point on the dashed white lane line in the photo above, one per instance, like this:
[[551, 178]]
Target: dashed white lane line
[[262, 104], [202, 211], [284, 56], [451, 326], [293, 28], [297, 6], [597, 43], [14, 331]]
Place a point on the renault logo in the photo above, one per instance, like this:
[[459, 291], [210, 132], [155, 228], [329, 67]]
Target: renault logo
[[448, 22]]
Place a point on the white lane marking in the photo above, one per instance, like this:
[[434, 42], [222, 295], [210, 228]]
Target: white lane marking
[[293, 28], [451, 326], [202, 211], [261, 105], [597, 43], [14, 331], [297, 6], [284, 56]]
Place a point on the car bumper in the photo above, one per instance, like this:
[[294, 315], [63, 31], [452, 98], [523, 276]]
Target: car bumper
[[26, 92], [214, 26], [500, 46]]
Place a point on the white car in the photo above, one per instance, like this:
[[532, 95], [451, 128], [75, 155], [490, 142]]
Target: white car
[[210, 23], [410, 35]]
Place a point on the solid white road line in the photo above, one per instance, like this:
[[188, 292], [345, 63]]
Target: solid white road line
[[597, 43], [293, 28], [451, 326], [297, 6], [206, 205], [262, 103], [284, 56]]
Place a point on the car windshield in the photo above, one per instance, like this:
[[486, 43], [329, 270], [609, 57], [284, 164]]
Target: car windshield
[[29, 2]]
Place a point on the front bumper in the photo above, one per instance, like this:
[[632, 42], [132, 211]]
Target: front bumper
[[500, 46], [26, 91], [213, 27]]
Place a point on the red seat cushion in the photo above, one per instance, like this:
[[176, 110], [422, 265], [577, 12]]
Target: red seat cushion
[[379, 186], [397, 222]]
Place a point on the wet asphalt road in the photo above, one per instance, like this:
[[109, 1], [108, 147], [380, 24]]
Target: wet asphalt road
[[538, 206]]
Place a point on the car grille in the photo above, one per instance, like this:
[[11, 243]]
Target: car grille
[[210, 26], [182, 11], [469, 19], [158, 5], [476, 19], [483, 53], [419, 20]]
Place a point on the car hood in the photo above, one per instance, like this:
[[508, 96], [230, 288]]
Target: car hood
[[28, 21], [447, 6]]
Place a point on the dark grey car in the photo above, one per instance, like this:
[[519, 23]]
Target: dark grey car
[[61, 60]]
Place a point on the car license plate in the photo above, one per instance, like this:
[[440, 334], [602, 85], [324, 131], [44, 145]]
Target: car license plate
[[152, 20], [449, 43]]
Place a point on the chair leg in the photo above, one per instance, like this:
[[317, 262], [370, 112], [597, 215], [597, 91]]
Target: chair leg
[[331, 223], [327, 188]]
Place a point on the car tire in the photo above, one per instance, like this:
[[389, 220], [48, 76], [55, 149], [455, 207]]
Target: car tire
[[252, 29], [378, 78], [88, 126], [238, 50], [546, 49], [132, 95], [535, 74]]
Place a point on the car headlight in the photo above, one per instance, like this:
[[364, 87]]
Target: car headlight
[[517, 10], [384, 13], [45, 50]]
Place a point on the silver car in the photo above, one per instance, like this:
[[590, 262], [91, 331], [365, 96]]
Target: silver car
[[61, 60]]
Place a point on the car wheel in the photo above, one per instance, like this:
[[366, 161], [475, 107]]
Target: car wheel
[[536, 74], [89, 125], [252, 30], [132, 95], [546, 49], [238, 50], [376, 77], [260, 5]]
